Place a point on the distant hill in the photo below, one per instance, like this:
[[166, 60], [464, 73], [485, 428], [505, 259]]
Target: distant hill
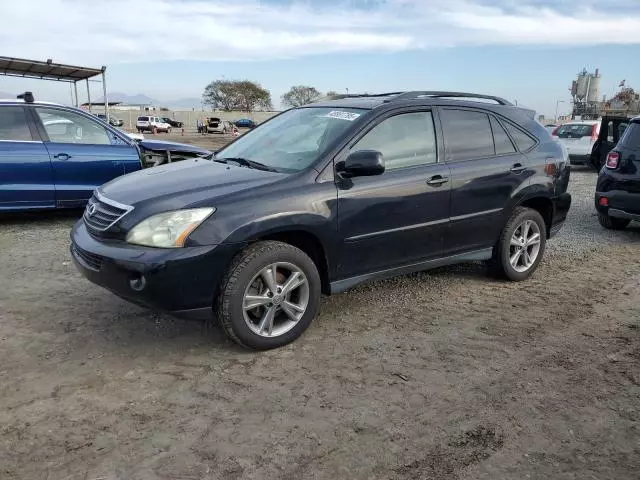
[[137, 99], [184, 103]]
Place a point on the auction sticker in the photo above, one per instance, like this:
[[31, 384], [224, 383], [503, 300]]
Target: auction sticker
[[349, 116]]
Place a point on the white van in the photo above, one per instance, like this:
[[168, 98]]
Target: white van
[[578, 138], [152, 124]]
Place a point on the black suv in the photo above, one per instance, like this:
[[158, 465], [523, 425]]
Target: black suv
[[618, 189], [323, 197]]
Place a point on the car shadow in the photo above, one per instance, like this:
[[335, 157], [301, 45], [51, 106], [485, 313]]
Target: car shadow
[[27, 218]]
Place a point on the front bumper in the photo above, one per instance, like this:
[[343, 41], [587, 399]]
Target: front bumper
[[180, 281]]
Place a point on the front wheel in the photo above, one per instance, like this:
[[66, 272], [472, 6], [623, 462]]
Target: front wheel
[[521, 245], [269, 295], [612, 223]]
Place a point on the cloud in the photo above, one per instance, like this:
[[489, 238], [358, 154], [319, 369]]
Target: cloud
[[95, 32]]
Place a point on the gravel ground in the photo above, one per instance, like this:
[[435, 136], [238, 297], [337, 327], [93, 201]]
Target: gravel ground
[[439, 375]]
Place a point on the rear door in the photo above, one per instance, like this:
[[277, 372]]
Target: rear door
[[84, 153], [26, 180], [486, 172], [399, 217]]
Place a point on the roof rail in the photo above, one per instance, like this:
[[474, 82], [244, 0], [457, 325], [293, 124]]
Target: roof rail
[[438, 94], [365, 95]]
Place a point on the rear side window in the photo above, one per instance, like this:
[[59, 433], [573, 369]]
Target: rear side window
[[502, 141], [523, 140], [631, 137], [143, 119], [13, 124], [467, 134]]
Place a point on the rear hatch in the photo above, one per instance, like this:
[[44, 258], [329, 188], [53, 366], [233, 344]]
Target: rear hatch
[[578, 138], [214, 122], [143, 121]]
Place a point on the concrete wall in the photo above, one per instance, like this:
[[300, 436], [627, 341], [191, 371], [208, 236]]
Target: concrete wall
[[188, 117]]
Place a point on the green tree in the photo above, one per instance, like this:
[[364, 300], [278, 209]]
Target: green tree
[[300, 95], [237, 95]]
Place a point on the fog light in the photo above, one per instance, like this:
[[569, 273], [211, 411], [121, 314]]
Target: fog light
[[138, 284], [604, 202]]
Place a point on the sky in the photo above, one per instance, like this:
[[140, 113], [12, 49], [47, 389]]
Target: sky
[[524, 50]]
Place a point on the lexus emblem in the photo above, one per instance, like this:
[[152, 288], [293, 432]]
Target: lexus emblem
[[91, 209]]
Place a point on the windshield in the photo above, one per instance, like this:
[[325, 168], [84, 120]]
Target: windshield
[[295, 139]]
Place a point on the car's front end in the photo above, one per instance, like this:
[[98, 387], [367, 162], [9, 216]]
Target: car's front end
[[135, 236]]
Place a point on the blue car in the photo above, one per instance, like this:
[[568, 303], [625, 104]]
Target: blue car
[[52, 156], [245, 123]]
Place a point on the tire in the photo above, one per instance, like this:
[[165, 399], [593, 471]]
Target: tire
[[503, 253], [154, 130], [612, 223], [168, 130], [244, 277]]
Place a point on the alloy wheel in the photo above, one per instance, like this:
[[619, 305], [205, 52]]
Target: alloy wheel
[[525, 246]]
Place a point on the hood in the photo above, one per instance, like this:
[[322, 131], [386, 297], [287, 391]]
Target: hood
[[172, 146], [177, 185]]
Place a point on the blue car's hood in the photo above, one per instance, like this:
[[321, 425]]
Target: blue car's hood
[[172, 146]]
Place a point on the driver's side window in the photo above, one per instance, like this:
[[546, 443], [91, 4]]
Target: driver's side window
[[63, 126], [405, 140]]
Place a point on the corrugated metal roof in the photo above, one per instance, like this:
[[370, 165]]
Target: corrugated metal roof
[[20, 67]]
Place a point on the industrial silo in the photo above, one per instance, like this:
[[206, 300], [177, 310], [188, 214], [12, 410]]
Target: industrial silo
[[582, 85], [593, 94]]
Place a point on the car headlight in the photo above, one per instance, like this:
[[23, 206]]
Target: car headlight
[[168, 229]]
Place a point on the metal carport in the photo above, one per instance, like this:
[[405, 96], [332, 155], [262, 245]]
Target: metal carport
[[20, 67]]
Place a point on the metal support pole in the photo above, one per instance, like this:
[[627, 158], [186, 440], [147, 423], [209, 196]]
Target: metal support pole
[[88, 96], [75, 88], [104, 93]]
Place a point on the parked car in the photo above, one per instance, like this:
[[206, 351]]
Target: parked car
[[578, 138], [245, 123], [618, 189], [216, 125], [52, 156], [611, 129], [152, 124], [172, 122], [551, 127], [115, 121], [323, 197]]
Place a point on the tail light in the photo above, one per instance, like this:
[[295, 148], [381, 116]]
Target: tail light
[[594, 132], [613, 159], [555, 131]]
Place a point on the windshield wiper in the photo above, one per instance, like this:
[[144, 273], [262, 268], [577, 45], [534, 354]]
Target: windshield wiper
[[246, 163]]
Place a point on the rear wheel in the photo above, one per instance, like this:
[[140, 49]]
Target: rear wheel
[[521, 245], [612, 223], [168, 130], [154, 130], [269, 295]]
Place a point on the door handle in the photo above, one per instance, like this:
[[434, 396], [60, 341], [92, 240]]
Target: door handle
[[517, 168], [437, 180], [62, 156]]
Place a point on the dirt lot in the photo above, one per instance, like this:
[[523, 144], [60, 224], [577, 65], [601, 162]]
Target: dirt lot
[[440, 375]]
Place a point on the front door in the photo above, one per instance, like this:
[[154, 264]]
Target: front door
[[399, 217], [487, 170], [84, 154], [26, 180]]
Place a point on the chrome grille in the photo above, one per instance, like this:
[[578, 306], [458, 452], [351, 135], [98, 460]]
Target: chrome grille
[[90, 260], [101, 213]]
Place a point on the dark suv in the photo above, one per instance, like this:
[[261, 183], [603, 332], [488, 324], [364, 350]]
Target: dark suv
[[323, 197], [618, 189]]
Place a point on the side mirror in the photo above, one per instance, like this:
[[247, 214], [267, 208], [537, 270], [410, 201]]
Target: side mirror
[[363, 163]]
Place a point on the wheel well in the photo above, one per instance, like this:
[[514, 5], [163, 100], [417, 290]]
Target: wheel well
[[309, 244], [544, 207]]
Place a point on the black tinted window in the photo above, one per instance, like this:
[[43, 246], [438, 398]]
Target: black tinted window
[[631, 136], [501, 139], [143, 119], [467, 134], [13, 124], [523, 141]]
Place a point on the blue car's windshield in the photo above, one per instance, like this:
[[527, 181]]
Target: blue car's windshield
[[294, 140]]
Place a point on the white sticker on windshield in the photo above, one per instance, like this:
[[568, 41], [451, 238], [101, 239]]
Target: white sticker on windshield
[[349, 116]]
